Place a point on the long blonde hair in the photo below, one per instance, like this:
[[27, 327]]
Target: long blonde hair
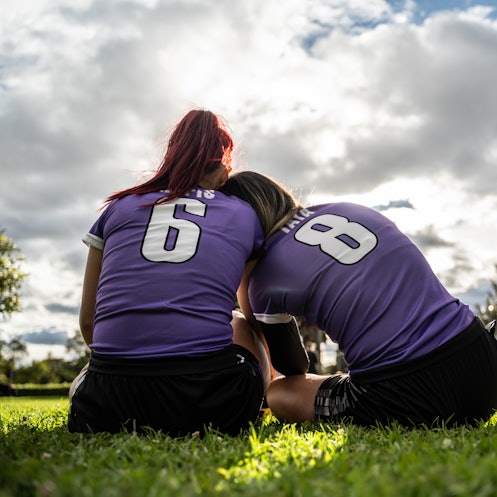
[[273, 204]]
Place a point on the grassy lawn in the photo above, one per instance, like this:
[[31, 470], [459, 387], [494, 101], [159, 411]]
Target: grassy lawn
[[39, 458]]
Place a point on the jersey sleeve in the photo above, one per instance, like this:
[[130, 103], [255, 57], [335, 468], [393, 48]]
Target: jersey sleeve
[[95, 237], [93, 241]]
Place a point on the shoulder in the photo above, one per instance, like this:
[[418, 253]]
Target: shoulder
[[230, 199], [235, 204]]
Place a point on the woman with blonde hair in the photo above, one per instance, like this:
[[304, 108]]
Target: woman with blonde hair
[[416, 354]]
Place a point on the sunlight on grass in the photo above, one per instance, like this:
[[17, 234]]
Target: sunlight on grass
[[39, 457], [492, 421], [38, 415], [286, 450]]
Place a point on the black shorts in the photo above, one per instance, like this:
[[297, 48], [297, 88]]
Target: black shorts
[[454, 384], [179, 395]]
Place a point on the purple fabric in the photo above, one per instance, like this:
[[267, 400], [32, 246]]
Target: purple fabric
[[170, 273], [349, 270]]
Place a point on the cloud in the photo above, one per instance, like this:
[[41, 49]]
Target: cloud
[[394, 204], [420, 101], [46, 337], [429, 238], [331, 97], [62, 308], [476, 296]]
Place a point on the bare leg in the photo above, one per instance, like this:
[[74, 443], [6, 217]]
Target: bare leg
[[245, 335], [291, 398]]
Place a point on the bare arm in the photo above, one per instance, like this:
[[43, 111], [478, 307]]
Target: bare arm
[[246, 308], [242, 294], [89, 297], [283, 341]]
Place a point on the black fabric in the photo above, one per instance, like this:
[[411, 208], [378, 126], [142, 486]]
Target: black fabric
[[455, 384], [223, 390], [288, 354]]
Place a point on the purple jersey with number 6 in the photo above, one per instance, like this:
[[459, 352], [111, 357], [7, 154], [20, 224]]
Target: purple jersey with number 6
[[349, 270], [170, 273]]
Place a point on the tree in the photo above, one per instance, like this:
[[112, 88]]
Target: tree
[[77, 347], [488, 312], [16, 350], [11, 276], [39, 372]]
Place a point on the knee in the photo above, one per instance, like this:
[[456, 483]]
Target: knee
[[291, 398], [274, 399], [281, 400]]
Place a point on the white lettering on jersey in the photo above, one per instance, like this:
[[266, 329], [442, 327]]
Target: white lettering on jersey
[[200, 193], [299, 216]]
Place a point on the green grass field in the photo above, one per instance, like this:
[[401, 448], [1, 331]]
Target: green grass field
[[38, 457]]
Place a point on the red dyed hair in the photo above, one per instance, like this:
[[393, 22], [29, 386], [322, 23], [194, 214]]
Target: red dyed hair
[[199, 144]]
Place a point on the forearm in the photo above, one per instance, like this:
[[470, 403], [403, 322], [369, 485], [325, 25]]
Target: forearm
[[86, 332], [89, 296]]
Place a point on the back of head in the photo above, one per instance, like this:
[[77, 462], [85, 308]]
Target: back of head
[[199, 144], [273, 204]]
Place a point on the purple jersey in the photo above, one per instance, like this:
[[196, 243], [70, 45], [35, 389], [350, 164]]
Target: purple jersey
[[350, 271], [170, 272]]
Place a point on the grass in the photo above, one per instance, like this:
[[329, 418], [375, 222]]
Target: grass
[[39, 458]]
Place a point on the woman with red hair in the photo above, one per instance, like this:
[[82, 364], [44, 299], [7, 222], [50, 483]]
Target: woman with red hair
[[165, 260]]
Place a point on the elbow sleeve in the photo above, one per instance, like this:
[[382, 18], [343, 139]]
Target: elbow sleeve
[[288, 354]]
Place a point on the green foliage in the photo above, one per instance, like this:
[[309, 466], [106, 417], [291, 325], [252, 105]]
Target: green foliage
[[12, 351], [40, 371], [44, 389], [488, 311], [53, 370], [11, 276], [38, 457], [79, 348], [270, 458], [49, 371]]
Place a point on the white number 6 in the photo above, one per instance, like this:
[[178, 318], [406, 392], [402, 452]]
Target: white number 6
[[169, 239]]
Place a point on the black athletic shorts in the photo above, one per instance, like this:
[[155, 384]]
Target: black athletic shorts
[[178, 395], [454, 384]]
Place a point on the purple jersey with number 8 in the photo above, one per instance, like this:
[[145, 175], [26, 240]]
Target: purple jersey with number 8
[[349, 270], [170, 273]]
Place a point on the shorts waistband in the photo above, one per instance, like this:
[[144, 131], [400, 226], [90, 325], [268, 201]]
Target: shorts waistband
[[174, 365], [467, 336]]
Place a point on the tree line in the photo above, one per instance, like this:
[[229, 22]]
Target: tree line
[[49, 370]]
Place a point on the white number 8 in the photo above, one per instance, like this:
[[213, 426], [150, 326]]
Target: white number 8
[[344, 240]]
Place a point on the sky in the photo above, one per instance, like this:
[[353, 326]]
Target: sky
[[387, 104]]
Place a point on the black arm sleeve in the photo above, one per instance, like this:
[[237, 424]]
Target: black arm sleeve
[[288, 354]]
